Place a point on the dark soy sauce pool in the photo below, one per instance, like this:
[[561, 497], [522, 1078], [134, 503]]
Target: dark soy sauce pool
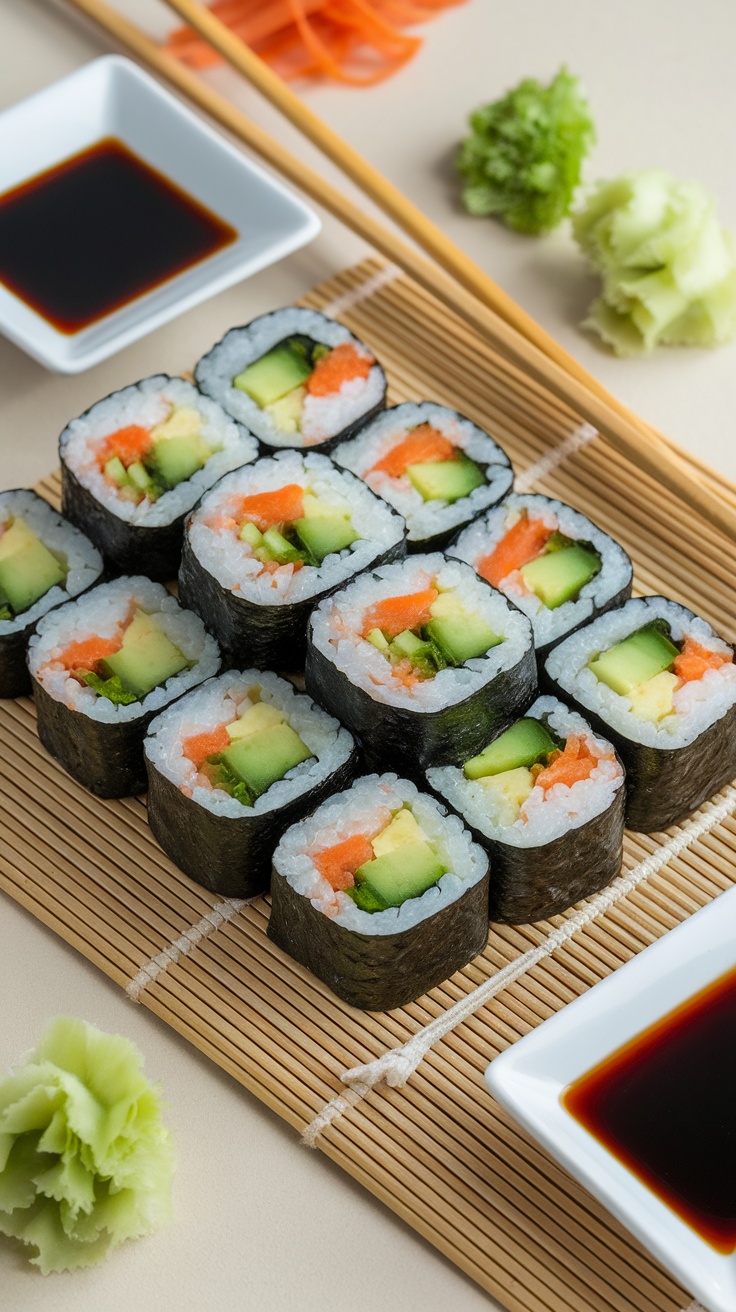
[[665, 1106], [98, 230]]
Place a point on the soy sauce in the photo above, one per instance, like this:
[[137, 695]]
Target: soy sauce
[[97, 231], [665, 1106]]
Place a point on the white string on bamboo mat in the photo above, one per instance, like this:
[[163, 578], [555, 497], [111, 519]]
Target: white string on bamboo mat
[[182, 946], [569, 446], [346, 301], [395, 1066], [695, 1306]]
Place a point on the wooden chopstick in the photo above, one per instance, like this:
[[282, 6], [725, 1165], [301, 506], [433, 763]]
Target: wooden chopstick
[[392, 201], [653, 457]]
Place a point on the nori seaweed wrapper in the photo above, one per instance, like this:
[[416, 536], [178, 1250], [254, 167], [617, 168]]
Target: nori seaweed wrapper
[[106, 758], [413, 740], [227, 855], [15, 681], [270, 637], [130, 548], [378, 972], [534, 883]]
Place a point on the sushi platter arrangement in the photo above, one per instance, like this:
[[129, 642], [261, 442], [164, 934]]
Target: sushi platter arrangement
[[395, 700]]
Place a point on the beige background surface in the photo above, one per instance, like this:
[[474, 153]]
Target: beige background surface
[[261, 1223]]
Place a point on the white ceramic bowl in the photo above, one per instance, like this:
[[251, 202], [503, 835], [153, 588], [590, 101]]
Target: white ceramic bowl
[[529, 1078], [112, 97]]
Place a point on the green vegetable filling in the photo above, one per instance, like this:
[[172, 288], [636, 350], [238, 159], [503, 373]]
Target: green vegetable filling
[[525, 744], [405, 865], [28, 570], [446, 480], [177, 451], [263, 749], [523, 158], [636, 659], [323, 530], [452, 636]]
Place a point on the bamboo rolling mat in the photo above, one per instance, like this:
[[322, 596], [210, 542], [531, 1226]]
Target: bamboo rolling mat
[[439, 1152]]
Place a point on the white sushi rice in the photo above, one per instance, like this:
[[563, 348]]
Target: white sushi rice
[[337, 624], [83, 561], [322, 417], [548, 813], [479, 539], [232, 562], [148, 403], [697, 704], [219, 702], [424, 519], [366, 808], [99, 613]]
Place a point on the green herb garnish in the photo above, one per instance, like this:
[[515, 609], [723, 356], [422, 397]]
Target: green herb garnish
[[523, 158], [6, 613], [111, 688]]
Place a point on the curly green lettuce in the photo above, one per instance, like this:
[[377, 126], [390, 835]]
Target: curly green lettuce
[[523, 158], [668, 268], [85, 1159]]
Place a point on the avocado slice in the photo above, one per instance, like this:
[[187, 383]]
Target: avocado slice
[[146, 659], [279, 371], [460, 639], [525, 743], [446, 480], [259, 718], [402, 874], [509, 792], [287, 411], [27, 568], [635, 659], [322, 535], [558, 575], [653, 700], [400, 831], [262, 758]]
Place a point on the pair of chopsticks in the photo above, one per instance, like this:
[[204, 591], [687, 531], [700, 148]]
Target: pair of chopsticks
[[458, 282]]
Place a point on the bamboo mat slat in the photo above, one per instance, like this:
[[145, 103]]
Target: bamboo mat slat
[[439, 1152]]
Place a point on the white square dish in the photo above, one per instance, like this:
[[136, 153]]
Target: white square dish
[[529, 1078], [112, 97]]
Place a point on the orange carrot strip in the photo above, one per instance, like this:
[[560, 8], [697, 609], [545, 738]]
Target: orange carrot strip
[[524, 542], [339, 863], [342, 364], [85, 654], [568, 767], [395, 614], [129, 444], [266, 509], [694, 661], [423, 443], [201, 745]]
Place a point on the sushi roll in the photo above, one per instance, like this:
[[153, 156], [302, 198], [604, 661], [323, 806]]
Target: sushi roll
[[661, 684], [233, 764], [43, 562], [380, 893], [421, 660], [546, 801], [552, 562], [102, 667], [294, 377], [271, 540], [135, 463], [435, 467]]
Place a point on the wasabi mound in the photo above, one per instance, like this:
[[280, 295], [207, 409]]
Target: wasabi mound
[[85, 1159], [668, 267]]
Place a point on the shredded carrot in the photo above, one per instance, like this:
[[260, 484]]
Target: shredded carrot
[[266, 509], [201, 745], [339, 863], [129, 444], [568, 767], [395, 614], [524, 542], [694, 661], [358, 42], [423, 443], [340, 366], [84, 655]]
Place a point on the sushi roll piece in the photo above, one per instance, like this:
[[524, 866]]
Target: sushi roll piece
[[546, 801], [380, 893], [551, 561], [270, 541], [661, 684], [294, 377], [43, 562], [422, 660], [437, 468], [102, 666], [232, 765], [135, 463]]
